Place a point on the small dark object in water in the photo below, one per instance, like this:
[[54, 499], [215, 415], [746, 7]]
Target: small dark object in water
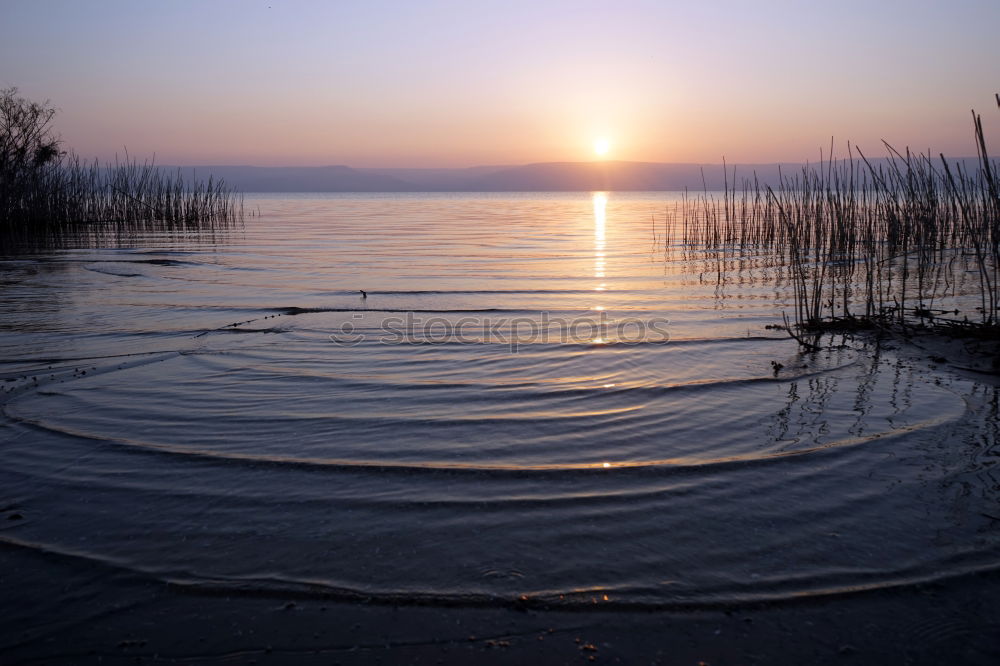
[[939, 359], [364, 294], [776, 367], [15, 516]]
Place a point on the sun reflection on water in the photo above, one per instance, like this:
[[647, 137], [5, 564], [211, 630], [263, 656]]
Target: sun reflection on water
[[600, 239]]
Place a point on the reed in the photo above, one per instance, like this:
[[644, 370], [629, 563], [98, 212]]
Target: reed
[[47, 195], [77, 199], [907, 242]]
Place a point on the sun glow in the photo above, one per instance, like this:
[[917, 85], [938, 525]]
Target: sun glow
[[601, 146]]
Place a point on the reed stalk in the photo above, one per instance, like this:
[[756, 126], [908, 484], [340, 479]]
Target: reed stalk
[[908, 242]]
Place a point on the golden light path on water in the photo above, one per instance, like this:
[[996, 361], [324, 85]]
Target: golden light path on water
[[600, 201], [600, 235]]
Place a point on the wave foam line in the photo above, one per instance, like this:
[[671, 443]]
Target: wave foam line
[[581, 599]]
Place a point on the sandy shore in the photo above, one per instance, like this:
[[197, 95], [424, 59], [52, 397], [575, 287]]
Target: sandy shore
[[67, 612]]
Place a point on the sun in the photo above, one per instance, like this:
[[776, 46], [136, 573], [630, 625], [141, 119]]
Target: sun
[[601, 146]]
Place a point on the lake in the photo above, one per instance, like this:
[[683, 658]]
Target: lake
[[539, 399]]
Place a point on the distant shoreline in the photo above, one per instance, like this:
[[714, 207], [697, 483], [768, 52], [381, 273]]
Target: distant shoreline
[[541, 177]]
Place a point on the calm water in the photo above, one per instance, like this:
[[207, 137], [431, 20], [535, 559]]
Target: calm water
[[535, 398]]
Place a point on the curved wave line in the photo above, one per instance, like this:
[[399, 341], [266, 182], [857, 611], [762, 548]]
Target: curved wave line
[[678, 465], [580, 599]]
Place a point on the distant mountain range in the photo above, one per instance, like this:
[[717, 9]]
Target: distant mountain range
[[541, 177]]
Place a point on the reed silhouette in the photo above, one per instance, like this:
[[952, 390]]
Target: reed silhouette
[[47, 194], [908, 242]]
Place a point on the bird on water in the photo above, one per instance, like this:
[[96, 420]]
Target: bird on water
[[364, 294]]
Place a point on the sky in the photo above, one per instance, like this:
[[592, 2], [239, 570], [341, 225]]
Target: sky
[[431, 83]]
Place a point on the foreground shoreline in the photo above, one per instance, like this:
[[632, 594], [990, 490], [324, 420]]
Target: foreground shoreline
[[94, 615]]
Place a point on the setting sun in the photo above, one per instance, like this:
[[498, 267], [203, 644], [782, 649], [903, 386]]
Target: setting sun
[[601, 146]]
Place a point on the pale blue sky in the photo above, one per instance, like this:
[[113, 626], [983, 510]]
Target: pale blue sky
[[464, 83]]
